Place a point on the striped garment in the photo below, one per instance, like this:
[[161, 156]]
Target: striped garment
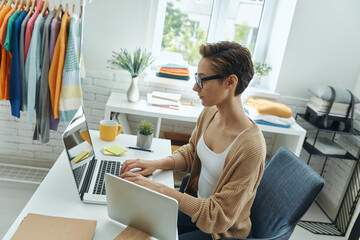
[[71, 97]]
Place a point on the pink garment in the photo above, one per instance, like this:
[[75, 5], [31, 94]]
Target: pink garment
[[30, 26]]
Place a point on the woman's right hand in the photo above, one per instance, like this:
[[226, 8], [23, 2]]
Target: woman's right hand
[[147, 166]]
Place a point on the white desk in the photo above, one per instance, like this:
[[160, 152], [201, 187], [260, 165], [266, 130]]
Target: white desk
[[57, 194], [291, 138]]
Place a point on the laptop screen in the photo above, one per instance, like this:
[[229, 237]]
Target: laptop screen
[[78, 146]]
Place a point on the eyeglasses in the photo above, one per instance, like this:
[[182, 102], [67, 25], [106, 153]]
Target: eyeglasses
[[200, 80]]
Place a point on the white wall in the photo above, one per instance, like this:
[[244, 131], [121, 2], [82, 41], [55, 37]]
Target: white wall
[[323, 47], [114, 24]]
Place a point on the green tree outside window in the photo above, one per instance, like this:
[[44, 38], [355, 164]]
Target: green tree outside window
[[182, 35]]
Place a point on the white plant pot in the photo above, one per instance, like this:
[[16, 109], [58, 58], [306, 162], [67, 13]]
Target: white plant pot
[[133, 91], [144, 141]]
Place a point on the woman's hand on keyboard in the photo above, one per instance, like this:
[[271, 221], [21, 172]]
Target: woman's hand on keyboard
[[147, 167]]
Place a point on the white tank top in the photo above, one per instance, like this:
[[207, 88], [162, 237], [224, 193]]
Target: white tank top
[[212, 165]]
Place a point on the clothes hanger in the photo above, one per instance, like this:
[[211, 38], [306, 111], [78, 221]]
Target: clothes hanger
[[53, 5], [16, 4], [67, 8], [45, 7], [32, 7], [81, 8], [73, 8], [2, 3], [28, 3], [10, 2], [58, 12], [20, 5]]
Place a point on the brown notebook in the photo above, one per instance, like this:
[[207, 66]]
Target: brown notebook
[[39, 227]]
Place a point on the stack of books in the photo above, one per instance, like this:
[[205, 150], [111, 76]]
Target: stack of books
[[164, 99], [320, 106]]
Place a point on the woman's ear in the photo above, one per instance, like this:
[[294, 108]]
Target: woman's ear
[[232, 81]]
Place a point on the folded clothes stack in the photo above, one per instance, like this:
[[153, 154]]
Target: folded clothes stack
[[173, 71], [270, 113]]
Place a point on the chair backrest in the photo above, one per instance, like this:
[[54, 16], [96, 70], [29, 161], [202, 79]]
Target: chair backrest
[[285, 193]]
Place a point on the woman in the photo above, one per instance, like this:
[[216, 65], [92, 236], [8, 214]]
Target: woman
[[225, 154]]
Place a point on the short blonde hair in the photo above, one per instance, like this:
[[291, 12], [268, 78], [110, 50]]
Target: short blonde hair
[[230, 58]]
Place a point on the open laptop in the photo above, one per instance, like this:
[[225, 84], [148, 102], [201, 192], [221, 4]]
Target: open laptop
[[87, 169], [142, 208]]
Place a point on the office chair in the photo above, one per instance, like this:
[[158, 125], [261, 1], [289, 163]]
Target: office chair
[[285, 193]]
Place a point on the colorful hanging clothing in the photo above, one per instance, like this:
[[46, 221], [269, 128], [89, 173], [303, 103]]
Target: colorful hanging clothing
[[42, 126], [5, 59], [14, 84], [71, 92], [55, 27], [23, 84], [54, 32], [30, 26], [57, 65], [3, 12], [33, 66], [10, 29]]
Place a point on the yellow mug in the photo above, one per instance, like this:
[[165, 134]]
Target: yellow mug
[[109, 129]]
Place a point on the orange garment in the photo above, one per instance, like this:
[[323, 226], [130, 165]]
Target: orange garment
[[174, 70], [5, 64], [57, 65], [266, 107]]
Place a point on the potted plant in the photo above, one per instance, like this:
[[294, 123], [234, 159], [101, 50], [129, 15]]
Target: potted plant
[[260, 69], [145, 134], [135, 63]]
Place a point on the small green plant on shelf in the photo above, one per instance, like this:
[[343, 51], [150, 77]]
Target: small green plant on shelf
[[145, 128], [145, 135]]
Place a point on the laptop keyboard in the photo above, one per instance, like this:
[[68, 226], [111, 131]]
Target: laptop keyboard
[[106, 166], [78, 172]]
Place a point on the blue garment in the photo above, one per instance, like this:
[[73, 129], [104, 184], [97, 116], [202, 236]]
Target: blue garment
[[258, 121], [14, 82]]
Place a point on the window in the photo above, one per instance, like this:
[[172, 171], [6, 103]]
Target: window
[[190, 23]]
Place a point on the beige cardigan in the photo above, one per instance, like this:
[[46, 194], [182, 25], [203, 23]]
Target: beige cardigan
[[226, 213]]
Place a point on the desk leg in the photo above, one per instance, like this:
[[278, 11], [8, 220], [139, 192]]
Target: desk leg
[[158, 125], [121, 118]]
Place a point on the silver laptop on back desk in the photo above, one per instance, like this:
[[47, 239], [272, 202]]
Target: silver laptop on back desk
[[89, 172]]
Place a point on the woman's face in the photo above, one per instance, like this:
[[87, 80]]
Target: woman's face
[[213, 91]]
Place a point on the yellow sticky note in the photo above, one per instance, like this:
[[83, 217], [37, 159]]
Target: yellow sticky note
[[79, 157], [115, 150], [86, 155], [106, 152]]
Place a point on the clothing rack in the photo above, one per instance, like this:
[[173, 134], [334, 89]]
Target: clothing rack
[[30, 79]]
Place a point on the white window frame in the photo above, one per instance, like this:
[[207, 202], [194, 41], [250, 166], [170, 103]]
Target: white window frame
[[215, 33]]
